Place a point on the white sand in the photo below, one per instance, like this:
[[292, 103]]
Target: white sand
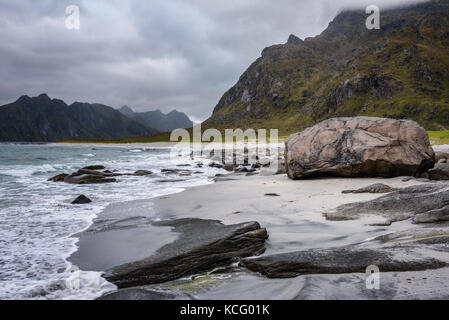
[[294, 220]]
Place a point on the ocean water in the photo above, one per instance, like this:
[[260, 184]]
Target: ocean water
[[37, 221]]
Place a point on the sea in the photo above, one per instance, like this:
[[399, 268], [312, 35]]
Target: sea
[[38, 223]]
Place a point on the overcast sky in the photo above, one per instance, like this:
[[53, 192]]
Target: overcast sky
[[148, 54]]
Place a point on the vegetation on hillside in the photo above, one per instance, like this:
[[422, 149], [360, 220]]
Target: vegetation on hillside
[[400, 71]]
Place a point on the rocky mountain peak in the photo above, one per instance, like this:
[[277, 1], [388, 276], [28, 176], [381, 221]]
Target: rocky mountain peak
[[292, 39]]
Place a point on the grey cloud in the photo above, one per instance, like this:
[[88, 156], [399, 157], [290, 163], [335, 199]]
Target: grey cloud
[[148, 54]]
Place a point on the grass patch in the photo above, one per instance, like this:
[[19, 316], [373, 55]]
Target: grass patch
[[439, 137]]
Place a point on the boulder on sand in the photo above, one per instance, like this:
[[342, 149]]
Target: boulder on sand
[[359, 147]]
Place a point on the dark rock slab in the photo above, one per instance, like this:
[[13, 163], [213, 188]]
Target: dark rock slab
[[82, 199], [439, 172], [58, 178], [374, 188], [202, 245], [141, 173], [137, 294], [340, 260], [415, 201], [88, 179], [95, 167]]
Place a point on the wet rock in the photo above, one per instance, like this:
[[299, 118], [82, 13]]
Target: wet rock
[[359, 147], [137, 294], [244, 169], [141, 173], [175, 171], [439, 172], [82, 199], [58, 178], [374, 188], [201, 246], [95, 167], [417, 201], [228, 167], [272, 195], [340, 260], [88, 179], [216, 165]]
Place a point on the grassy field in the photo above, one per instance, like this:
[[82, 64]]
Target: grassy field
[[439, 137]]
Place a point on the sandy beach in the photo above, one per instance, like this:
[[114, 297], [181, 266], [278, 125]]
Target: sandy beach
[[292, 213]]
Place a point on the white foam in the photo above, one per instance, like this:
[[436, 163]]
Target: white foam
[[38, 220]]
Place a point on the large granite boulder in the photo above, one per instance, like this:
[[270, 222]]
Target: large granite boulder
[[359, 147]]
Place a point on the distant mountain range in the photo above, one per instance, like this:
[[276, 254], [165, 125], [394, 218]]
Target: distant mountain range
[[158, 120], [42, 119], [400, 71]]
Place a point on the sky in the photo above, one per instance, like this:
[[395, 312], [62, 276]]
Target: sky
[[148, 54]]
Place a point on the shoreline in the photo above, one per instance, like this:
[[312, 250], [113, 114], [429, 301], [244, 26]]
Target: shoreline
[[294, 221]]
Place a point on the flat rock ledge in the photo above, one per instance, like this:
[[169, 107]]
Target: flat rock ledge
[[341, 261], [423, 203], [201, 246]]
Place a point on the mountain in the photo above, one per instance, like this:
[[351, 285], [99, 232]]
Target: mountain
[[44, 119], [400, 71], [158, 120]]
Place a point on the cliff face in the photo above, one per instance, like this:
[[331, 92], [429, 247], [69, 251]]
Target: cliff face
[[400, 71], [46, 120]]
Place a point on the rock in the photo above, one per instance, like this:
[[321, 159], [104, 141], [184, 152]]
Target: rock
[[95, 173], [272, 195], [58, 178], [359, 147], [183, 165], [439, 172], [94, 167], [137, 294], [244, 169], [141, 173], [228, 167], [216, 165], [340, 260], [82, 199], [88, 179], [201, 246], [374, 188], [411, 202], [256, 165], [175, 171], [170, 180], [442, 161], [441, 156]]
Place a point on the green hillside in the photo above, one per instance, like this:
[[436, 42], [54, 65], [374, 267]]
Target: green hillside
[[400, 71]]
